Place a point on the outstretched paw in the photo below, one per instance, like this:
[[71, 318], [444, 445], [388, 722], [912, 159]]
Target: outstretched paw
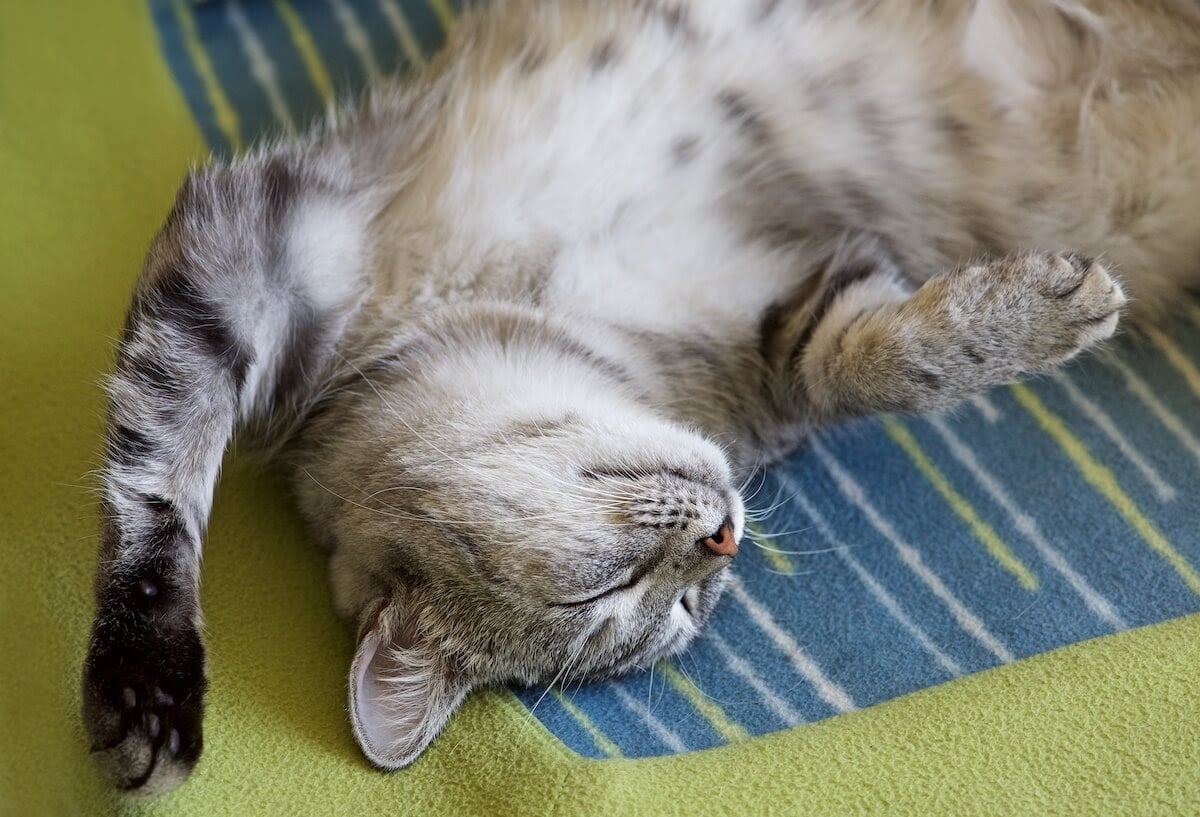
[[980, 326], [143, 701], [1082, 303], [1030, 312]]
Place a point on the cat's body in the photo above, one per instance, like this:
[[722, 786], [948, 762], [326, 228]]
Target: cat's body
[[515, 325]]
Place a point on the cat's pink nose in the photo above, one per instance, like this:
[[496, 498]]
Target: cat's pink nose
[[722, 542]]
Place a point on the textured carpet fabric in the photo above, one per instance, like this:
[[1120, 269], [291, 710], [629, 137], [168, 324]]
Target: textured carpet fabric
[[919, 579]]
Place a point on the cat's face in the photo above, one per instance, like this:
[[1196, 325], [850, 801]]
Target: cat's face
[[583, 546], [566, 540]]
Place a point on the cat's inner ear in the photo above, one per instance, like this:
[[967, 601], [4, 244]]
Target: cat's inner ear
[[401, 690]]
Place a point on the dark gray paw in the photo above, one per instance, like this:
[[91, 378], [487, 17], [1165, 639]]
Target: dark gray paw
[[143, 690]]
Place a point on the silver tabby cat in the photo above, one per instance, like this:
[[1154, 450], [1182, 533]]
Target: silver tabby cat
[[517, 324]]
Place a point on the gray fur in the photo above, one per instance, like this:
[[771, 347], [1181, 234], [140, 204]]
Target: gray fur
[[516, 326]]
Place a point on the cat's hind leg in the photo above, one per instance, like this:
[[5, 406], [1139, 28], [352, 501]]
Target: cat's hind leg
[[875, 348]]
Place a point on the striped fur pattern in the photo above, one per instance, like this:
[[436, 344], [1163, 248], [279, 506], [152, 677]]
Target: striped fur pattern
[[517, 324]]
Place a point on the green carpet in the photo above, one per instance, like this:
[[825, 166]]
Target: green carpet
[[94, 137]]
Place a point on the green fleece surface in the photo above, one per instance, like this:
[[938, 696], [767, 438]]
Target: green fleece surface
[[94, 137]]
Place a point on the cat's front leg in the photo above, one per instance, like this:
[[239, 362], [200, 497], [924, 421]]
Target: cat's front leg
[[876, 349], [245, 294]]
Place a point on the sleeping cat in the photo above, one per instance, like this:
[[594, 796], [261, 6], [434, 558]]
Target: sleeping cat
[[518, 325]]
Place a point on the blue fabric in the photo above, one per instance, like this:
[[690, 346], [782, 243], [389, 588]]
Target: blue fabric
[[892, 556]]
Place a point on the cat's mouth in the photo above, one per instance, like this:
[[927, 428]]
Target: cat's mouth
[[699, 599]]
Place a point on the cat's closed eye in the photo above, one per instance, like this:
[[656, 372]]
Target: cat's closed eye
[[624, 584], [721, 542]]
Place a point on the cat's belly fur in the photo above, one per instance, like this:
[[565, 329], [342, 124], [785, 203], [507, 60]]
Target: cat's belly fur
[[597, 158]]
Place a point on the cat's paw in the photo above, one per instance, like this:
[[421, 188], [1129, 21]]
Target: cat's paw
[[1080, 303], [1030, 312], [980, 326], [143, 701]]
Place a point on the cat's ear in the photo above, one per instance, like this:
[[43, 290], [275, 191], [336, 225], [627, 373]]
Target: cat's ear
[[402, 690]]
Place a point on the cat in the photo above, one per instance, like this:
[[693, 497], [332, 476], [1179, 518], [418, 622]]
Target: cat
[[517, 325]]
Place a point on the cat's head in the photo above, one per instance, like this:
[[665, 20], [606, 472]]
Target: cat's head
[[512, 512]]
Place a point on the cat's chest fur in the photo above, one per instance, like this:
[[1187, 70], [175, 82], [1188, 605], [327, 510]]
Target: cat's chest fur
[[665, 166], [606, 173]]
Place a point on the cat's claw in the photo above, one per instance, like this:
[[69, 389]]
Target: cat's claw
[[143, 706], [1030, 312], [1089, 302]]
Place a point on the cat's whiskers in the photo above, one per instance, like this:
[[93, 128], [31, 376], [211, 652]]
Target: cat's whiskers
[[759, 514], [565, 514], [580, 489], [374, 494], [598, 627], [616, 502], [757, 536], [572, 657], [407, 515], [425, 518], [559, 515], [423, 438], [756, 468], [751, 513], [565, 682], [679, 666], [577, 490]]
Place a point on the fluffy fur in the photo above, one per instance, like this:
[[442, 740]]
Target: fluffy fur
[[516, 324]]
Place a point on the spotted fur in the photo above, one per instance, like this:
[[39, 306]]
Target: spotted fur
[[515, 325]]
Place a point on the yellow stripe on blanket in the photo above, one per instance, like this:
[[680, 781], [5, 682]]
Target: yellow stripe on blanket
[[403, 31], [302, 39], [703, 704], [227, 119], [1104, 481], [445, 13], [766, 544], [983, 531], [602, 741], [1176, 358]]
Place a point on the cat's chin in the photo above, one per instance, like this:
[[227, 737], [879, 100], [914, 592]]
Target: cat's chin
[[688, 618], [700, 600]]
